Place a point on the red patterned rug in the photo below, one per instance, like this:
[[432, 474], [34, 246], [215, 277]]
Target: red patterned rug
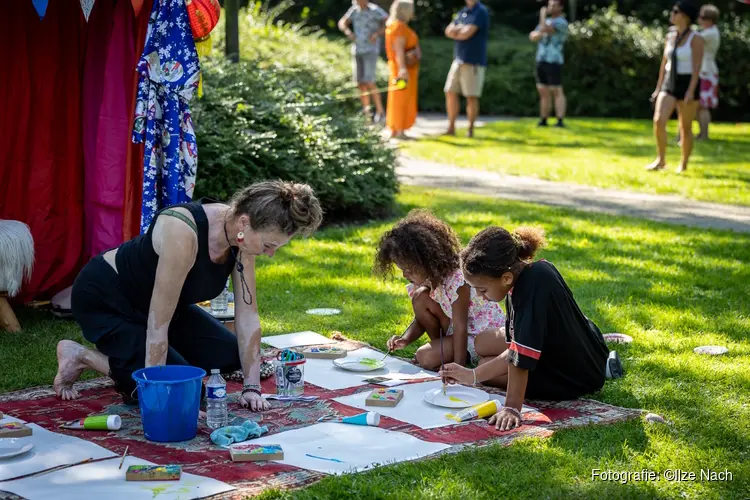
[[200, 456]]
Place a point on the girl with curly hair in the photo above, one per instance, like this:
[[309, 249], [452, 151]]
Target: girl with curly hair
[[426, 250], [549, 349]]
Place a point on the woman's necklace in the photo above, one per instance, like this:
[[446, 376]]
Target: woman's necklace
[[240, 268]]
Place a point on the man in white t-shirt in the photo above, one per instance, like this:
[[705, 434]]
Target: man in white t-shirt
[[364, 24], [709, 74]]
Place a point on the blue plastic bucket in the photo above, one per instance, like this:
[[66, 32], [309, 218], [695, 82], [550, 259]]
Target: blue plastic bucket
[[169, 397]]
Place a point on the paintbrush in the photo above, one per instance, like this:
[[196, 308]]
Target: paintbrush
[[59, 467], [442, 362], [123, 456], [402, 336]]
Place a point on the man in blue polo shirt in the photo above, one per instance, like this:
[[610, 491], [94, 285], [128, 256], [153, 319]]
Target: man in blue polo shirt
[[470, 30]]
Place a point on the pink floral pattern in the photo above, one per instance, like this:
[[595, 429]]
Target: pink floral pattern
[[709, 93], [483, 314]]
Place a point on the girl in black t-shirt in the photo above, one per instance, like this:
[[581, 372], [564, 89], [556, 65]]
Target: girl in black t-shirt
[[549, 349]]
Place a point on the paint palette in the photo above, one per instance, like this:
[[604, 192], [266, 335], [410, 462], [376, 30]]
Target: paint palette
[[455, 397], [14, 430], [154, 473], [359, 364], [384, 397], [248, 452], [324, 352]]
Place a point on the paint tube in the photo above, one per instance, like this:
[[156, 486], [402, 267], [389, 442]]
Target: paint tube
[[95, 423], [482, 410]]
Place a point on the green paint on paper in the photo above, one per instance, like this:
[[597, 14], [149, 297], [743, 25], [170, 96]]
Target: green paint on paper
[[156, 490]]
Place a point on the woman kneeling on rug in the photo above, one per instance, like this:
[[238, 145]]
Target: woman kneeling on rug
[[137, 302], [549, 349]]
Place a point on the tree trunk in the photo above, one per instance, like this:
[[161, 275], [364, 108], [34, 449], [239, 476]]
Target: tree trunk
[[573, 4], [231, 11]]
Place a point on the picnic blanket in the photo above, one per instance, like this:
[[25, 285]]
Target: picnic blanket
[[200, 456]]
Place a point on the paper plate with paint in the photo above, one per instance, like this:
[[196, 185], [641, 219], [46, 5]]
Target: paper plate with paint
[[455, 397], [618, 338], [323, 311], [359, 364], [13, 448]]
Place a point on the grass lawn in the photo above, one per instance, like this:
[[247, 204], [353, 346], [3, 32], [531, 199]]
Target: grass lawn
[[604, 153], [671, 288]]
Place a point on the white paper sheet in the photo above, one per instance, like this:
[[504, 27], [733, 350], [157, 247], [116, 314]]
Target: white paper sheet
[[50, 449], [323, 373], [296, 340], [412, 408], [343, 448], [105, 480]]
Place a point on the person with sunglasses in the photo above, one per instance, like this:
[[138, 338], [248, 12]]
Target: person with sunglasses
[[677, 86]]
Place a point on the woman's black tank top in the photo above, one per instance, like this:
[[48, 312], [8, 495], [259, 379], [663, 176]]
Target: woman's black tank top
[[136, 265]]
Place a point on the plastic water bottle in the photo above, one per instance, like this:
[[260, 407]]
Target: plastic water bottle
[[216, 401], [220, 303]]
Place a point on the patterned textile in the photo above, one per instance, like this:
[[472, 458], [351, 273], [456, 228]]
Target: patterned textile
[[365, 22], [169, 72], [550, 47], [200, 456], [709, 85], [483, 314]]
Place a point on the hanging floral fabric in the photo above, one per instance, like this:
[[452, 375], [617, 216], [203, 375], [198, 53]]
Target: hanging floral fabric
[[169, 73]]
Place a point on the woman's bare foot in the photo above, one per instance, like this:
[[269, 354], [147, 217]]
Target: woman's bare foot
[[656, 165], [70, 365]]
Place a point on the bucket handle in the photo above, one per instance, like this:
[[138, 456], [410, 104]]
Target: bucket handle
[[145, 382]]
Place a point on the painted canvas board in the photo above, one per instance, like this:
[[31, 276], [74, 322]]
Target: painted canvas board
[[342, 448], [105, 480], [323, 373], [50, 449], [412, 408], [296, 340]]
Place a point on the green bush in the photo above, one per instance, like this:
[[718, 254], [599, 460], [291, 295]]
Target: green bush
[[272, 116], [433, 15], [612, 63]]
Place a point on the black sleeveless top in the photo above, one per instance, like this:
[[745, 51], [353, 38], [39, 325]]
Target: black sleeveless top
[[136, 263]]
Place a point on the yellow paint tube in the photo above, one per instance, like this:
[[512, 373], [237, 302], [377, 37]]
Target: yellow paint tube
[[482, 410]]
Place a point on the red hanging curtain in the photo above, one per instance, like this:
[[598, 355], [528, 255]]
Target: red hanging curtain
[[131, 225], [41, 158]]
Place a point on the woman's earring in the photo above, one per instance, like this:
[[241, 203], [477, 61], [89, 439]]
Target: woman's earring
[[240, 237]]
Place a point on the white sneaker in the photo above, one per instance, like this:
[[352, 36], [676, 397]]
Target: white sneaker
[[614, 365], [378, 119]]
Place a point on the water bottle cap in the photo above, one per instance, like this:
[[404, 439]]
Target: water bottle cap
[[215, 371]]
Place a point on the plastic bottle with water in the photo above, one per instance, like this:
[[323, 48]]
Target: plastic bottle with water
[[220, 303], [216, 401]]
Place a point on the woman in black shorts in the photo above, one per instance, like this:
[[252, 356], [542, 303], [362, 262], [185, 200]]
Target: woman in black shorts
[[136, 302], [678, 84]]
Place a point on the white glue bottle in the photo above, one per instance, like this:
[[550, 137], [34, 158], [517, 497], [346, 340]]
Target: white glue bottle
[[216, 401]]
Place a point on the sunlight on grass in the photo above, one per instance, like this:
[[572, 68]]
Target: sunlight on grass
[[604, 153], [671, 288]]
